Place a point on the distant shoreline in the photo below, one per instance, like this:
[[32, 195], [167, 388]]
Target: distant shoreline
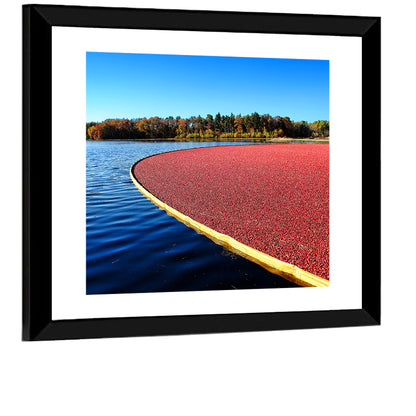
[[251, 140]]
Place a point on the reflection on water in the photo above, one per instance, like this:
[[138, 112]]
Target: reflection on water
[[134, 247]]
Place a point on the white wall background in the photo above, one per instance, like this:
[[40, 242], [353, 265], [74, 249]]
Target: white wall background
[[350, 371]]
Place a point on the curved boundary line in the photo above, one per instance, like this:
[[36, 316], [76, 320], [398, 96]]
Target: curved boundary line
[[286, 270]]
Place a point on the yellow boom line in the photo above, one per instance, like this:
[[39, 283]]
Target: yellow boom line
[[288, 271]]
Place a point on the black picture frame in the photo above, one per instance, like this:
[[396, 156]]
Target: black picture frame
[[38, 21]]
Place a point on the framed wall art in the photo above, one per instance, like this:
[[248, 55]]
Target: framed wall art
[[189, 172]]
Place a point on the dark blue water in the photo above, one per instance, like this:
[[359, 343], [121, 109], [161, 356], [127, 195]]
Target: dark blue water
[[134, 247]]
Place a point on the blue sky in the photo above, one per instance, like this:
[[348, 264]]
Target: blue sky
[[121, 85]]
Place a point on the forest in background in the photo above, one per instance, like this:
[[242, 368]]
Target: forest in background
[[211, 127]]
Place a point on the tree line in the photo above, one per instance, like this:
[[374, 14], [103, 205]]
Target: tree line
[[221, 126]]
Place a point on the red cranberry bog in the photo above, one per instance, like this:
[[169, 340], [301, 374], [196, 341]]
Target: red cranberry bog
[[268, 203]]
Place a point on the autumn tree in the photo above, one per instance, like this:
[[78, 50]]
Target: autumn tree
[[251, 125]]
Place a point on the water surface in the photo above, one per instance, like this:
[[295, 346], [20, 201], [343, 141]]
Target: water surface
[[134, 247]]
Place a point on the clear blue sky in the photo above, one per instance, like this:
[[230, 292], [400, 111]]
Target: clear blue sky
[[121, 85]]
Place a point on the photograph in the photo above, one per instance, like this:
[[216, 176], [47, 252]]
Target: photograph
[[178, 178], [206, 173]]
